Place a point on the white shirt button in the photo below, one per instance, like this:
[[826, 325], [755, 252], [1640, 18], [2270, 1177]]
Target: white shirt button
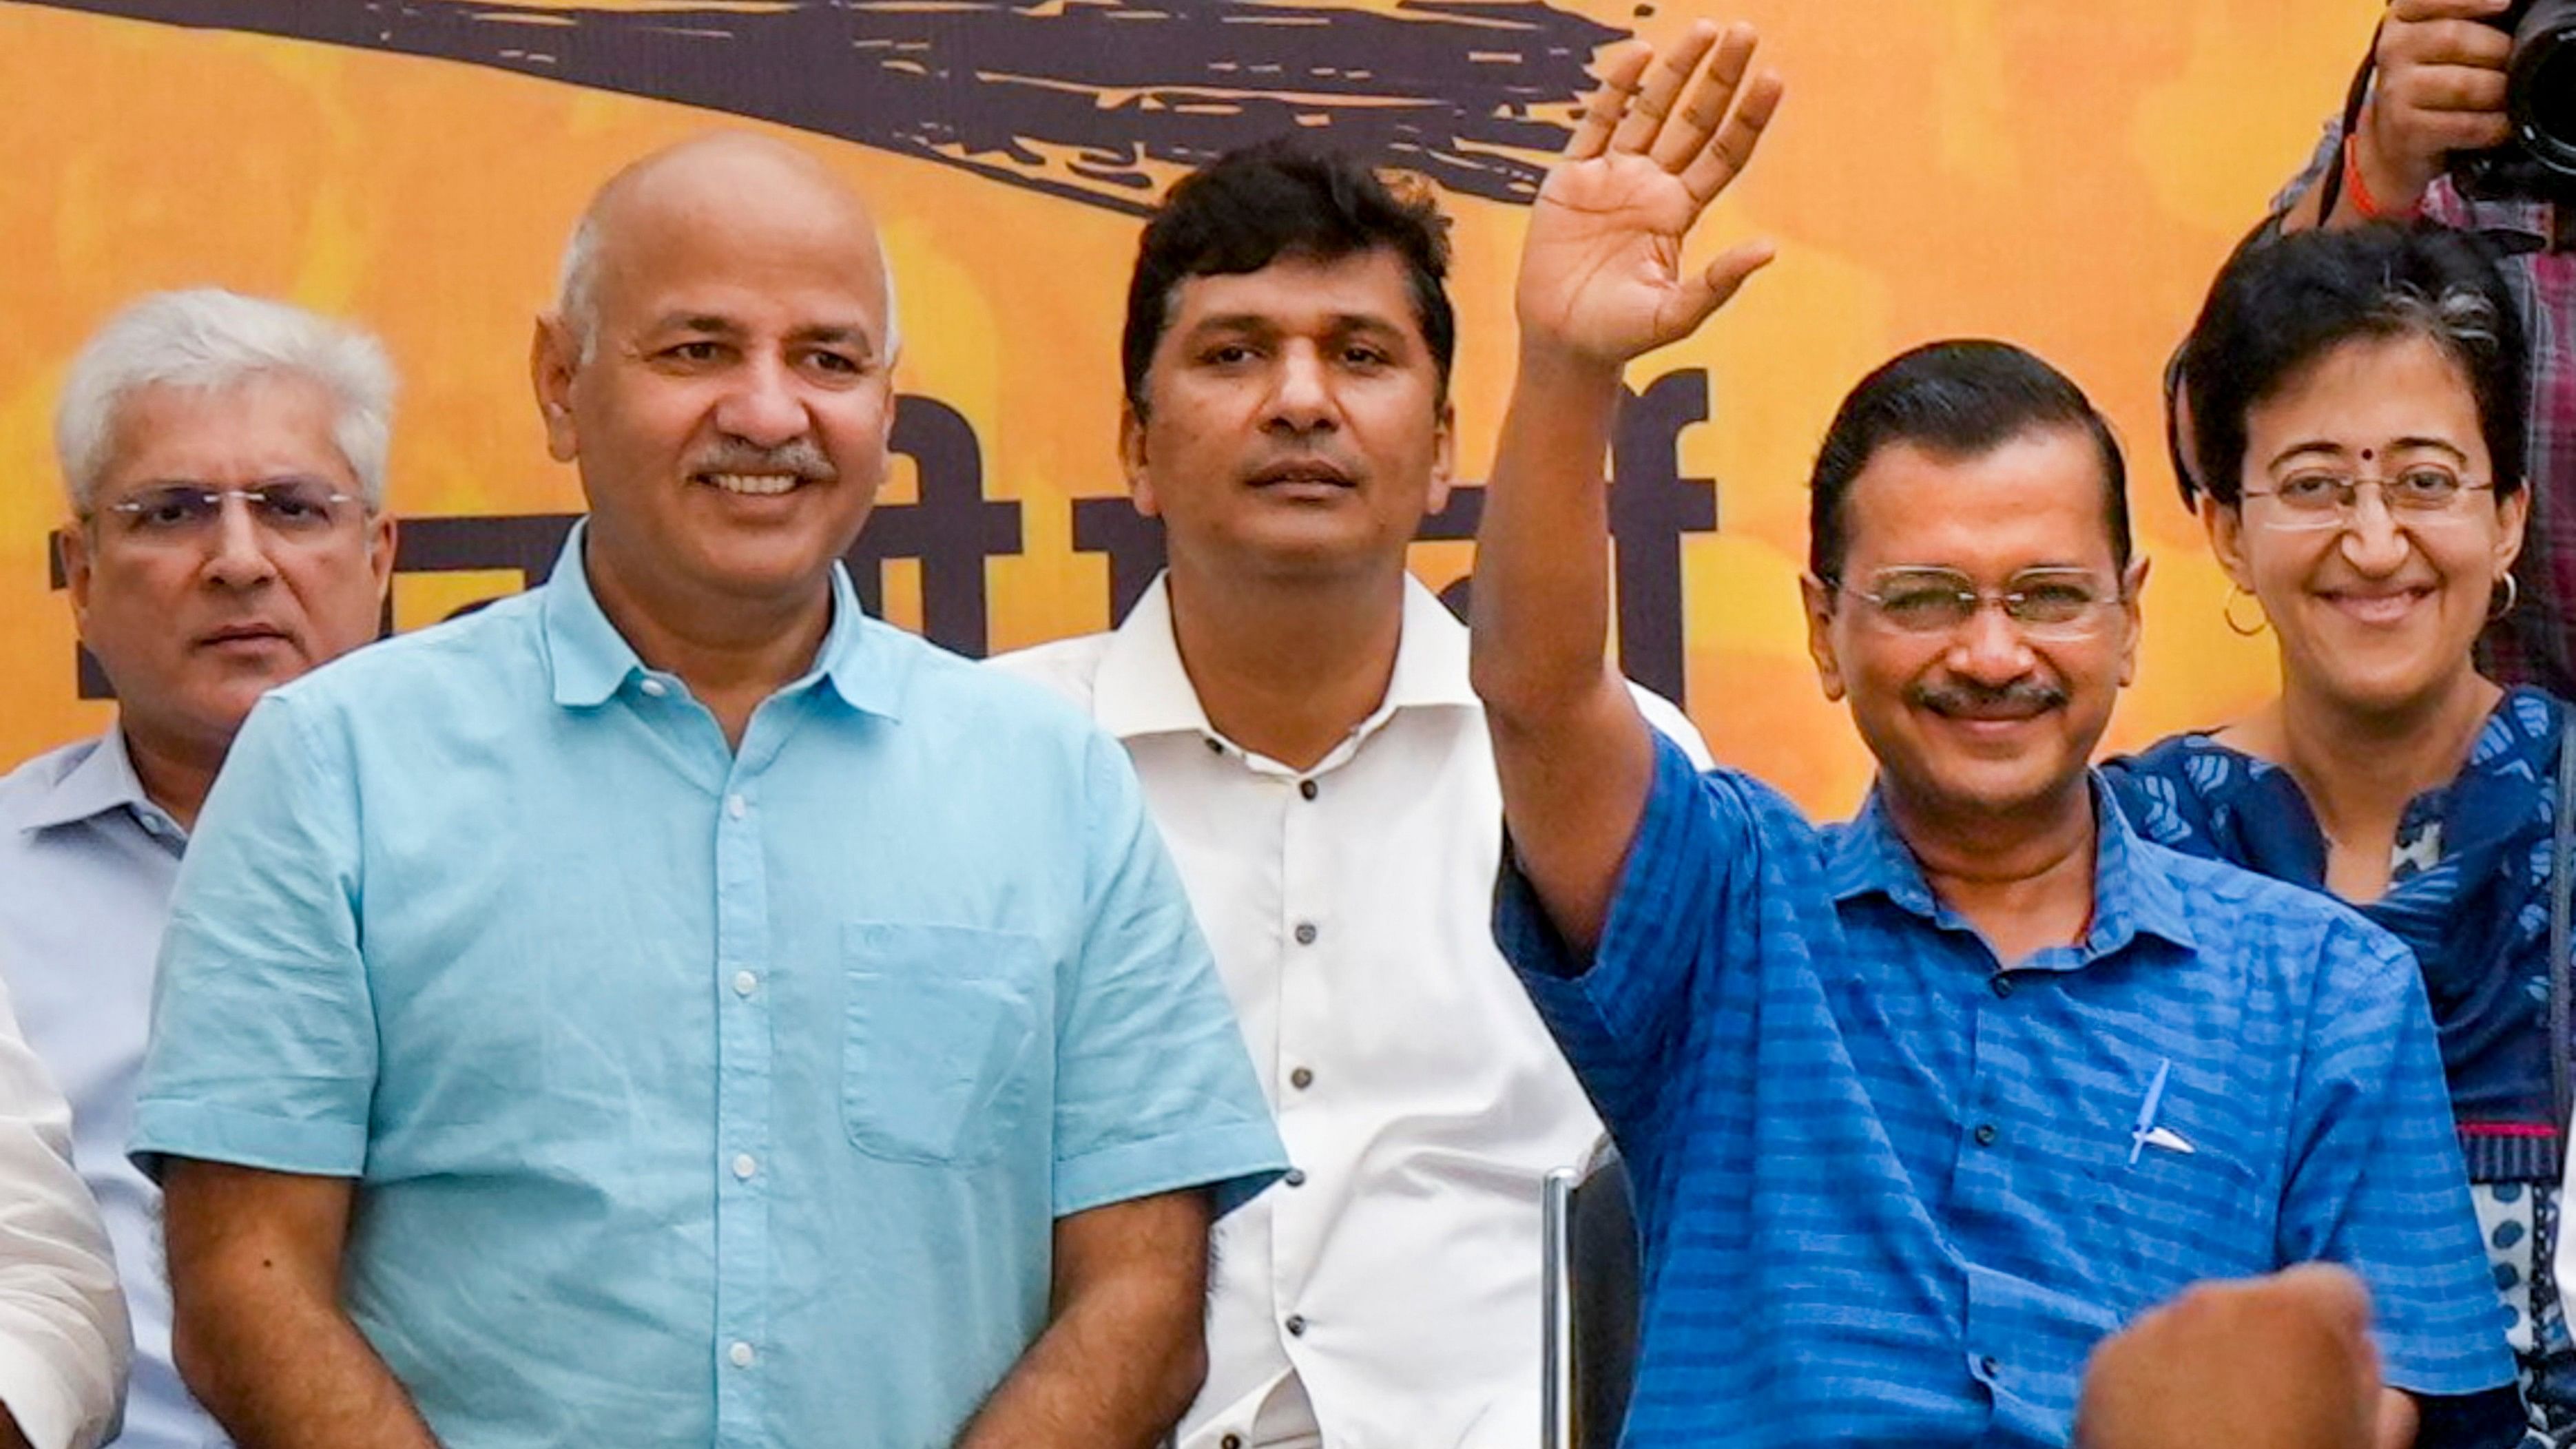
[[736, 806], [741, 1355], [654, 687], [744, 1166], [744, 983]]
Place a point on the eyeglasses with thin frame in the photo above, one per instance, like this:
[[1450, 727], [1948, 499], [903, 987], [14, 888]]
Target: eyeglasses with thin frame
[[297, 509], [2316, 498], [2042, 603]]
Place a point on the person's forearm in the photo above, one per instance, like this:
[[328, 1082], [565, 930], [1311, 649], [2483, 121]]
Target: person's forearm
[[1116, 1368], [280, 1371], [1541, 595]]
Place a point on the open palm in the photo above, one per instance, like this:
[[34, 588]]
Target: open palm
[[1601, 267]]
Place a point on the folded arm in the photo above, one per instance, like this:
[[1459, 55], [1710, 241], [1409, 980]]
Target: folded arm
[[260, 1335], [1124, 1349]]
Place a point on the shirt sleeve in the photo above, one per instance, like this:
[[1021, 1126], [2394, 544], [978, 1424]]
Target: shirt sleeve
[[1669, 721], [1619, 1016], [65, 1343], [2375, 1180], [1154, 1090], [263, 1048]]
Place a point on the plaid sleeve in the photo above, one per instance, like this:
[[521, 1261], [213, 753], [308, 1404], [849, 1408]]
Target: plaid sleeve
[[1618, 1015], [2329, 153], [2375, 1180]]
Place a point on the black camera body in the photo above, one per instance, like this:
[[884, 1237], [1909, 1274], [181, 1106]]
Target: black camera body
[[2539, 163]]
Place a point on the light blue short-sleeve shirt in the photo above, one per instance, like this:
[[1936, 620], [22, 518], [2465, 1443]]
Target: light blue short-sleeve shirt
[[694, 1095]]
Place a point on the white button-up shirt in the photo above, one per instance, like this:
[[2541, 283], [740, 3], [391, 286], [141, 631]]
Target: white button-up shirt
[[1393, 1276], [86, 865]]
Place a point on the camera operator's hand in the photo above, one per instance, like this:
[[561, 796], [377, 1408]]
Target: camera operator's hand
[[2283, 1361], [1601, 266], [2440, 89]]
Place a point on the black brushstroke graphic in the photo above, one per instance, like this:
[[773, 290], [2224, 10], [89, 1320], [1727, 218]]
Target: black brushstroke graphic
[[1097, 101]]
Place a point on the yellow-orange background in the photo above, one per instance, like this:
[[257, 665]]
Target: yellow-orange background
[[2064, 173]]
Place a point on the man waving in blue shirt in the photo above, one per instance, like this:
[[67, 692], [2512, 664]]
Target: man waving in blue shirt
[[1920, 1107]]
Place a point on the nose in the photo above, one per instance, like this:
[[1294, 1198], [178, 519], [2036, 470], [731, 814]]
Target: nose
[[2372, 542], [765, 407], [1301, 395], [238, 556], [1989, 648]]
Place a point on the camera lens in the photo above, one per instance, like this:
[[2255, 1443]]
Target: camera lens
[[2540, 89]]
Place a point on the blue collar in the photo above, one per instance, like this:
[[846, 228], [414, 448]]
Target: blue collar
[[591, 661], [102, 780], [2131, 896]]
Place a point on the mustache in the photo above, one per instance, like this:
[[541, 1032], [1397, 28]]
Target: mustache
[[801, 458], [1970, 697]]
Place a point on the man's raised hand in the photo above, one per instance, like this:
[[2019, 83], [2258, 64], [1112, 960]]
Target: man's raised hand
[[1602, 277]]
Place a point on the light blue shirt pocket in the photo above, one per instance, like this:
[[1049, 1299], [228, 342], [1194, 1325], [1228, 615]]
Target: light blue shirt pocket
[[945, 1045]]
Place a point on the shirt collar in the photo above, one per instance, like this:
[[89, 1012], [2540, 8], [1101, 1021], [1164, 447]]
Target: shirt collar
[[1142, 688], [102, 780], [591, 661], [2131, 897]]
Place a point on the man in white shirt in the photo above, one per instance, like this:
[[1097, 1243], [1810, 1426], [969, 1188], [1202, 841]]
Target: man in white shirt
[[1299, 710], [64, 1341], [223, 462]]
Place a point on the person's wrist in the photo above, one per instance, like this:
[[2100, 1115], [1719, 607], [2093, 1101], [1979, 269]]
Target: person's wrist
[[2383, 185], [1546, 357]]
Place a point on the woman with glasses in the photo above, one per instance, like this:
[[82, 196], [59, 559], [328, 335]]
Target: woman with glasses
[[2350, 421]]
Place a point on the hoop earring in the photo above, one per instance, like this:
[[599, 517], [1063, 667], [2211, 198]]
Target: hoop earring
[[2228, 614], [2512, 596]]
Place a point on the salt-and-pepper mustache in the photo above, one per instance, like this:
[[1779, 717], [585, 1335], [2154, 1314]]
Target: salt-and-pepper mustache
[[803, 459]]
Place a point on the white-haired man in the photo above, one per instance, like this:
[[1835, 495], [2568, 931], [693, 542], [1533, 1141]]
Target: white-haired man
[[224, 461]]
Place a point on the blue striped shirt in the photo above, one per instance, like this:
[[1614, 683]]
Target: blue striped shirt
[[1892, 1193]]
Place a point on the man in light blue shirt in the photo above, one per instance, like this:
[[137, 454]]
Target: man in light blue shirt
[[670, 1007], [201, 437]]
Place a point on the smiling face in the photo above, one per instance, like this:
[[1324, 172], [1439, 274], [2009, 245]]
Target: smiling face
[[191, 631], [1293, 424], [1980, 721], [729, 400], [2380, 615]]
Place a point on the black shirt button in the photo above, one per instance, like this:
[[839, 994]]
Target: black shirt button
[[1305, 933], [1985, 1134]]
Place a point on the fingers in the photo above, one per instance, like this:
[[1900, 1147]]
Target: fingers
[[2403, 48], [1663, 88], [1602, 109], [1702, 108], [2331, 1292], [2412, 10], [1701, 296], [1726, 154]]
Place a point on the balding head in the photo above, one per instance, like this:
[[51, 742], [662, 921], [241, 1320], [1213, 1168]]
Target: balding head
[[702, 181], [720, 375]]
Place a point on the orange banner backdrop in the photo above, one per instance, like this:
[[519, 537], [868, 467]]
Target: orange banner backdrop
[[2063, 173]]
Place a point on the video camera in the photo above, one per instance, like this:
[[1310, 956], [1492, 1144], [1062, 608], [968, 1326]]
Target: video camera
[[2539, 163]]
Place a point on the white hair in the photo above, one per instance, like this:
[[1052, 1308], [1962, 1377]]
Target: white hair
[[577, 291], [209, 339]]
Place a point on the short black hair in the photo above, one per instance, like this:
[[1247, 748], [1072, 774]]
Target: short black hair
[[1957, 399], [2282, 303], [1252, 206]]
